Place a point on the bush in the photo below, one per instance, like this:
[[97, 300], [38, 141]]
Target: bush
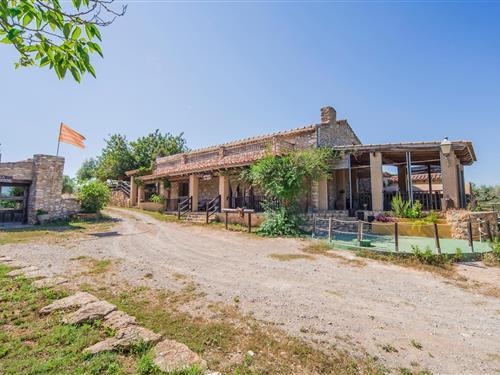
[[429, 257], [281, 221], [155, 198], [404, 209], [94, 196]]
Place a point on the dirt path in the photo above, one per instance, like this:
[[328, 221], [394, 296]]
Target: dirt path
[[409, 318]]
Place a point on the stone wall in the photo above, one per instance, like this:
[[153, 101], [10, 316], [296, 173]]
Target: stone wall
[[119, 199], [21, 170], [208, 189], [458, 220], [44, 173]]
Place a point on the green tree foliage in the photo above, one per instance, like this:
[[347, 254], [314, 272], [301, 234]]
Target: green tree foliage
[[146, 149], [69, 185], [94, 196], [87, 171], [116, 158], [282, 179], [485, 197], [60, 36], [119, 155]]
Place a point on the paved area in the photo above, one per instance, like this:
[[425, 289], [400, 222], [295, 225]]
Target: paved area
[[404, 316]]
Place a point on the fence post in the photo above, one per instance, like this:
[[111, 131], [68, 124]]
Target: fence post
[[436, 238], [249, 222], [396, 237], [206, 212], [178, 211], [488, 230], [314, 226], [225, 219], [360, 231], [329, 229], [469, 235]]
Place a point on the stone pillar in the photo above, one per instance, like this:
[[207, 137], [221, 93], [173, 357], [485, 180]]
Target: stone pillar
[[323, 193], [133, 192], [193, 190], [377, 181], [450, 179], [140, 193], [224, 191], [402, 179]]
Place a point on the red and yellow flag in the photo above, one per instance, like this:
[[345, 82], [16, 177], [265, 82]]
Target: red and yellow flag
[[68, 135]]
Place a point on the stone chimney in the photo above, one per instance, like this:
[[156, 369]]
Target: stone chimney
[[328, 115]]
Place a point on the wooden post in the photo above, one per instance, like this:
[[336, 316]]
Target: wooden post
[[178, 211], [436, 238], [359, 230], [225, 219], [396, 237], [469, 235], [329, 229], [488, 230], [314, 225], [249, 222], [206, 212]]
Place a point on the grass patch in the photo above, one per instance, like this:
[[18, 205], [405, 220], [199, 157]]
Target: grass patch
[[94, 266], [325, 249], [222, 334], [31, 344], [57, 231], [288, 257]]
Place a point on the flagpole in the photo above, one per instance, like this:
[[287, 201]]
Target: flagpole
[[59, 139]]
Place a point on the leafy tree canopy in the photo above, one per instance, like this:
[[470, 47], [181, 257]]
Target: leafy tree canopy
[[119, 155], [146, 149], [116, 158], [69, 185], [60, 36], [87, 171]]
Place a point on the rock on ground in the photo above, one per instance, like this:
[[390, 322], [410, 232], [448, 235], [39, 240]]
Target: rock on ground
[[89, 312], [118, 320], [49, 282], [22, 271], [173, 356], [76, 300], [124, 339]]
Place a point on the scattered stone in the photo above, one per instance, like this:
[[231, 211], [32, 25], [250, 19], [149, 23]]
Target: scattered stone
[[76, 300], [173, 356], [22, 271], [4, 259], [49, 282], [124, 339], [89, 312], [212, 373], [118, 320]]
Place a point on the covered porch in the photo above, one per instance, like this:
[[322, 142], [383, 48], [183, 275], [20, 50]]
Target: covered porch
[[361, 181]]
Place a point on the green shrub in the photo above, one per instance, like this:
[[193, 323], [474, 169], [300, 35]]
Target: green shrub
[[94, 196], [281, 221], [155, 198], [429, 257], [404, 209]]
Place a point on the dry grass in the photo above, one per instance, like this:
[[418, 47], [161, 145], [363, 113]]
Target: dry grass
[[57, 232], [222, 335], [325, 249], [94, 266], [288, 257]]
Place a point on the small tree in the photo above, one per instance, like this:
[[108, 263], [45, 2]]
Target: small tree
[[116, 158], [283, 178], [68, 185], [87, 171], [94, 196]]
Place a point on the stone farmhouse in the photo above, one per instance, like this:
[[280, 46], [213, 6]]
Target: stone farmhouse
[[208, 177]]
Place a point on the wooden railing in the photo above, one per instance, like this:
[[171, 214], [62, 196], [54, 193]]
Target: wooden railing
[[184, 207], [430, 201], [211, 207], [252, 202]]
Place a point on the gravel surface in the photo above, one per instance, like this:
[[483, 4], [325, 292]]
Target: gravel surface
[[368, 306]]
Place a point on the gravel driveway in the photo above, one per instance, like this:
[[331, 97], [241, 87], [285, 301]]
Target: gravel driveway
[[386, 310]]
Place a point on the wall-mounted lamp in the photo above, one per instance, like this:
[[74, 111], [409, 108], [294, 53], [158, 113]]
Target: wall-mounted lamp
[[445, 146]]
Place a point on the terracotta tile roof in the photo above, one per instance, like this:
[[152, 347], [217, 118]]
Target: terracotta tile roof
[[421, 177]]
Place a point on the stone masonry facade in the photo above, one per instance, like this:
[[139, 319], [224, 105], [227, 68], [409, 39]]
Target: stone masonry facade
[[43, 174]]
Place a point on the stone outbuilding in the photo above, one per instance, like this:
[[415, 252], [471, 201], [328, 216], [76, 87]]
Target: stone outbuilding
[[31, 187]]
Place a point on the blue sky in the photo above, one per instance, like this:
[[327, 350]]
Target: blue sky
[[223, 71]]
